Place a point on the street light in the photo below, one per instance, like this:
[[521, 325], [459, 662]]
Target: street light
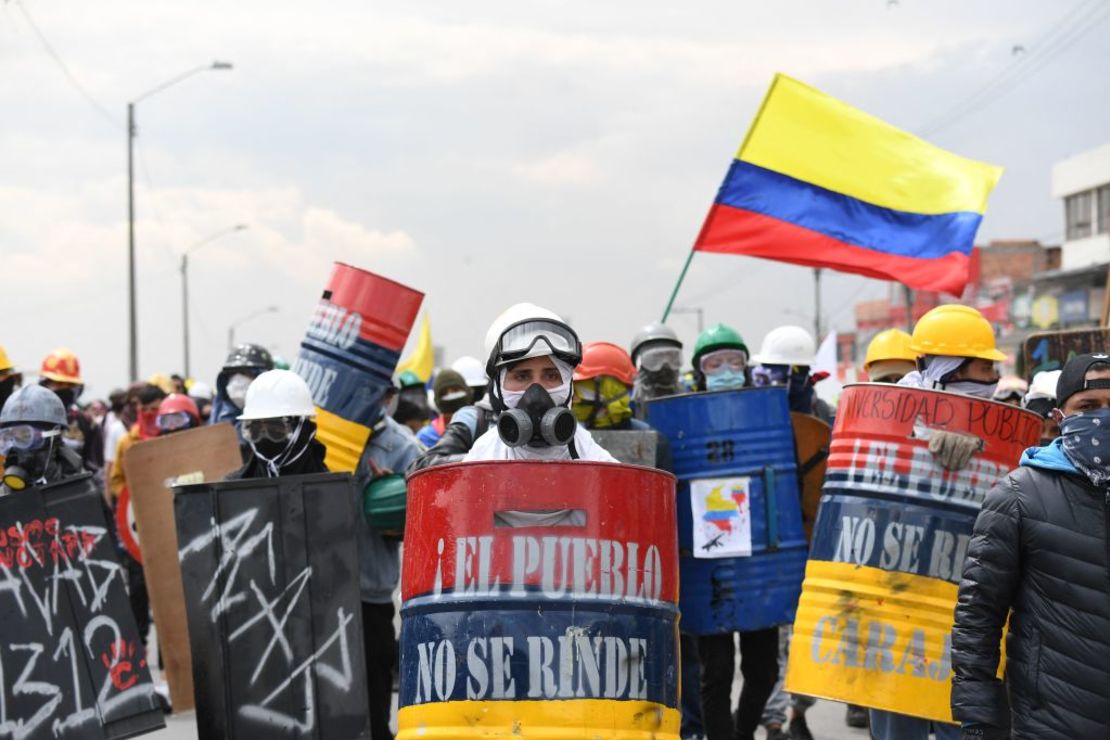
[[700, 312], [133, 351], [185, 283], [245, 319]]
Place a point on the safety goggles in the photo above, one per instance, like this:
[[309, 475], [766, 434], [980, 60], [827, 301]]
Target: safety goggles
[[24, 437], [276, 430], [538, 337], [765, 375], [174, 421], [723, 359], [654, 359]]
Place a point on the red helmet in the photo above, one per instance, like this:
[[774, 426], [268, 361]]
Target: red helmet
[[62, 366], [605, 358], [177, 403]]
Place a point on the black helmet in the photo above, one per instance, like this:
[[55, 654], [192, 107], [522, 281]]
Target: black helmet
[[249, 357]]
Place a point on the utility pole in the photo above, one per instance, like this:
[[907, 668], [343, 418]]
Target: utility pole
[[817, 304], [133, 344], [185, 307]]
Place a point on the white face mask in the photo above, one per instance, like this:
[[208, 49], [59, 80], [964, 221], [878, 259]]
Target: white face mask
[[237, 388]]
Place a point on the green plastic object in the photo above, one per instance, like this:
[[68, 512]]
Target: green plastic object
[[718, 337], [383, 502], [409, 378]]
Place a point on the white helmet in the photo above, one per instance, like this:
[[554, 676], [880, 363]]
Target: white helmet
[[1044, 385], [277, 393], [472, 369], [201, 391], [787, 345], [525, 330]]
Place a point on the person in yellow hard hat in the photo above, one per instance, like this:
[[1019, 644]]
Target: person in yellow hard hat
[[956, 353], [889, 357], [10, 378]]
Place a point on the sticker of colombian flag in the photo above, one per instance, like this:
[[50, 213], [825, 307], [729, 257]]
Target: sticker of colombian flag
[[819, 183]]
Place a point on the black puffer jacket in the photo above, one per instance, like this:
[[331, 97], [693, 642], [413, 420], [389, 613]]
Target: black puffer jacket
[[1039, 548]]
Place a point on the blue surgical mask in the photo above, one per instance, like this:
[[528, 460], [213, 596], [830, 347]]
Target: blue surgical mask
[[726, 380], [1086, 442]]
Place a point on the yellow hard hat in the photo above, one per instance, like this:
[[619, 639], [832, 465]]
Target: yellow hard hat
[[955, 331], [163, 381], [5, 361], [891, 344]]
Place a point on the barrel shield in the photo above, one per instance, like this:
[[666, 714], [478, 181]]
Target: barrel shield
[[270, 572], [874, 621], [349, 353], [528, 586], [71, 662], [734, 458]]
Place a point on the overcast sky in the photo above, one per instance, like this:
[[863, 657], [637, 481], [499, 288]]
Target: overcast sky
[[482, 152]]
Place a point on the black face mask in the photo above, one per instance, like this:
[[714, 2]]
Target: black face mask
[[7, 387], [536, 421], [68, 396]]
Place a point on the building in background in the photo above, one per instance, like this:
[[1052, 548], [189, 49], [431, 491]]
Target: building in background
[[1020, 286], [1083, 182]]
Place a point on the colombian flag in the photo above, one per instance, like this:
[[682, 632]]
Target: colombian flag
[[822, 184]]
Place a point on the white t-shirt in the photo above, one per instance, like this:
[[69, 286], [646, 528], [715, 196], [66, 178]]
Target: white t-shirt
[[113, 433]]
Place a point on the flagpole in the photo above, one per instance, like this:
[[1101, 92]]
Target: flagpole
[[674, 293]]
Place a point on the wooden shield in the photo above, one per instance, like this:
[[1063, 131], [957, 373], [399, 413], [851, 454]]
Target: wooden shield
[[811, 444], [197, 455]]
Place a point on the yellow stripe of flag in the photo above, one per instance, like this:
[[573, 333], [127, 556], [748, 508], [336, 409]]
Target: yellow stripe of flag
[[807, 135]]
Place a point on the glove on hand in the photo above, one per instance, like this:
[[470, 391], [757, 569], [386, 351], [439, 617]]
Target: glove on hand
[[952, 449]]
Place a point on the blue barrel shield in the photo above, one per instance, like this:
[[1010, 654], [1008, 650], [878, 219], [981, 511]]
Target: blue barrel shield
[[742, 547]]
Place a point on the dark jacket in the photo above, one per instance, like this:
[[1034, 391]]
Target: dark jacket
[[467, 424], [1040, 549]]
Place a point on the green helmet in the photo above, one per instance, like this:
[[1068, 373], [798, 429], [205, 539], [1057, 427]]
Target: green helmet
[[718, 337], [383, 503], [409, 378]]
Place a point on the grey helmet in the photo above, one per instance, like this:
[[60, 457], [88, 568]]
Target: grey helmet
[[33, 403], [651, 334]]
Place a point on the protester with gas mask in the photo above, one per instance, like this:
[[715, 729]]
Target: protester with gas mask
[[391, 450], [1039, 562], [61, 373], [243, 364], [32, 424], [278, 428], [889, 357], [451, 394], [656, 354], [10, 378], [956, 353], [531, 363], [1041, 400]]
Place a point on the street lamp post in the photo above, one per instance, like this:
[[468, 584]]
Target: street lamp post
[[698, 311], [185, 284], [245, 319], [133, 349]]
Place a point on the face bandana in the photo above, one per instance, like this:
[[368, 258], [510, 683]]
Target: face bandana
[[601, 403], [276, 454], [938, 370], [1086, 442], [148, 423]]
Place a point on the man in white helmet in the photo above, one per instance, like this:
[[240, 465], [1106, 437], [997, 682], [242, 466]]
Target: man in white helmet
[[532, 356], [277, 425], [785, 358]]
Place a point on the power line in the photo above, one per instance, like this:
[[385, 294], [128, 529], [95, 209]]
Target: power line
[[73, 81], [1075, 24]]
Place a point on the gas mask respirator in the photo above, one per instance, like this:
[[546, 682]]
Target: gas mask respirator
[[536, 421]]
